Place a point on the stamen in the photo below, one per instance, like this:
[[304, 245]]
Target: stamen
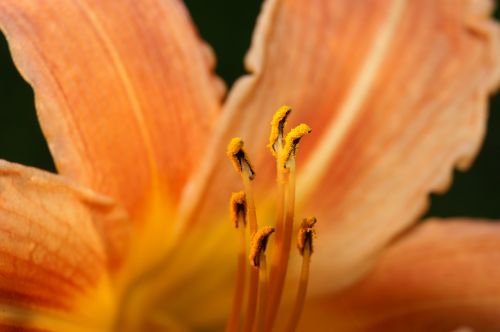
[[258, 260], [277, 128], [286, 164], [306, 234], [238, 209], [305, 246], [243, 166], [291, 144], [239, 158], [276, 142]]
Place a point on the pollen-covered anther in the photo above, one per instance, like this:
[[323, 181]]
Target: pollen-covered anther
[[239, 158], [306, 235], [259, 244], [238, 208], [292, 141], [277, 128]]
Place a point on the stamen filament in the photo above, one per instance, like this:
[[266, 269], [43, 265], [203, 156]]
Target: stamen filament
[[283, 249], [253, 288], [280, 221], [234, 318], [263, 289], [301, 292]]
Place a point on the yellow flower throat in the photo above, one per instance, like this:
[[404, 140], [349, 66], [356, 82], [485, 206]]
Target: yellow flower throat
[[265, 287]]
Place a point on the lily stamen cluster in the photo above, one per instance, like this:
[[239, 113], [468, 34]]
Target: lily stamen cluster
[[265, 288]]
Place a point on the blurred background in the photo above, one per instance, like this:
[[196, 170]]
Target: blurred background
[[227, 26]]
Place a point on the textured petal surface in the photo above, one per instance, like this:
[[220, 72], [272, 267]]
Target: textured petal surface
[[396, 93], [440, 277], [124, 90], [59, 246]]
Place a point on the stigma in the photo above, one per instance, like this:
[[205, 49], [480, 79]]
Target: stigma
[[260, 285]]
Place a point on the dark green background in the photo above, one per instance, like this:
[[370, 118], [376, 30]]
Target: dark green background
[[227, 26]]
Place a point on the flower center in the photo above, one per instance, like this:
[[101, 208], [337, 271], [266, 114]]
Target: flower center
[[264, 288]]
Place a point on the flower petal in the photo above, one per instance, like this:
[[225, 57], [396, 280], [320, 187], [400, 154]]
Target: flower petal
[[396, 93], [124, 90], [59, 247], [440, 277]]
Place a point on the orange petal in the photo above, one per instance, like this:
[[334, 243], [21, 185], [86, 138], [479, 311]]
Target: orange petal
[[59, 246], [396, 94], [124, 90], [440, 277]]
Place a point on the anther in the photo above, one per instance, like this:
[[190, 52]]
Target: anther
[[239, 158], [259, 244], [306, 235], [292, 140], [277, 128], [238, 208]]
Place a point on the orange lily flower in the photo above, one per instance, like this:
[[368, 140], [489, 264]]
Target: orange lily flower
[[132, 234]]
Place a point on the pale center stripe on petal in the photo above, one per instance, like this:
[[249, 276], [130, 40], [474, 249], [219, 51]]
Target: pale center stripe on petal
[[127, 85], [320, 159]]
